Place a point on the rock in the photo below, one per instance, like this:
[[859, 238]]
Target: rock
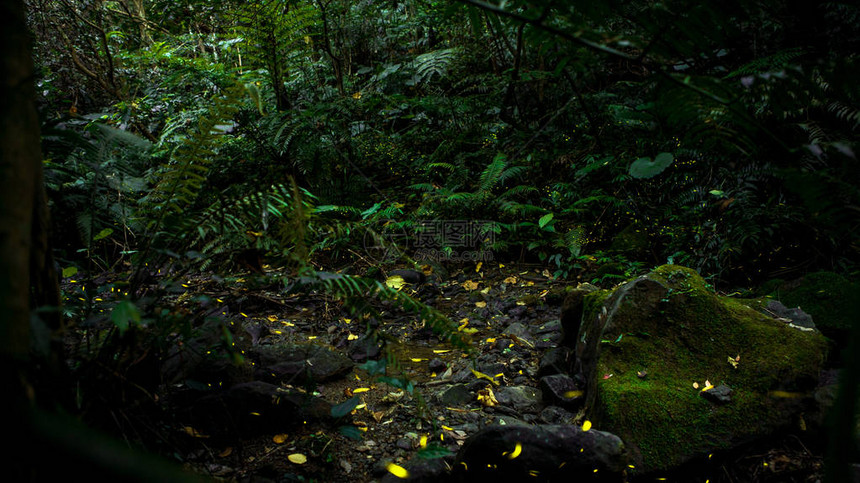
[[720, 394], [571, 314], [562, 390], [524, 399], [828, 297], [519, 333], [515, 453], [254, 408], [437, 365], [670, 325], [409, 276], [365, 347], [557, 415], [200, 359], [456, 395], [794, 316], [555, 361], [423, 470], [300, 363]]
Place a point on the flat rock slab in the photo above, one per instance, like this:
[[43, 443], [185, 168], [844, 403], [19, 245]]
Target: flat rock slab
[[300, 363]]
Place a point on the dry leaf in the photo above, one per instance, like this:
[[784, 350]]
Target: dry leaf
[[510, 280], [481, 304], [194, 433], [470, 285], [487, 398], [279, 438], [298, 458]]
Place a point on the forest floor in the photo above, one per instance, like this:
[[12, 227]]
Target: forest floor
[[511, 314]]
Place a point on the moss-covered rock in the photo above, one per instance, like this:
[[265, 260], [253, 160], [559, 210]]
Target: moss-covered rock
[[824, 295], [642, 348]]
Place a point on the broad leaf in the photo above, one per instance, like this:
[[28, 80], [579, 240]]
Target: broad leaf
[[645, 168]]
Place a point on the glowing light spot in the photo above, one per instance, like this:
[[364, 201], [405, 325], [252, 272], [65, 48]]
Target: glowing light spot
[[397, 471]]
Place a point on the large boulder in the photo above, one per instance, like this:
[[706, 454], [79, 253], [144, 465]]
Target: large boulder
[[650, 348], [548, 452], [300, 363]]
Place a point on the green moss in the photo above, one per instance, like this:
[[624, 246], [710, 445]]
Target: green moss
[[689, 338], [822, 295]]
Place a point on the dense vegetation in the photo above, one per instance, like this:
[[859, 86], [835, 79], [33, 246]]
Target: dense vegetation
[[539, 117], [598, 139]]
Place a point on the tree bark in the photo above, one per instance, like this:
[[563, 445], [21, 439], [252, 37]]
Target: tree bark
[[20, 163]]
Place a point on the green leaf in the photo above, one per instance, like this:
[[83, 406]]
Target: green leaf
[[69, 272], [124, 314], [373, 367], [345, 407], [545, 219], [103, 234], [645, 168], [433, 451], [350, 432]]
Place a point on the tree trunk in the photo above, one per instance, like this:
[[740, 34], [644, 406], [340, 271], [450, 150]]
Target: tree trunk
[[20, 163]]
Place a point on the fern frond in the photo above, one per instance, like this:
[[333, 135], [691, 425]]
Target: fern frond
[[182, 178], [351, 289]]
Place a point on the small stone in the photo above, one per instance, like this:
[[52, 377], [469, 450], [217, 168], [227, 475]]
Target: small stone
[[437, 365], [404, 443], [720, 394]]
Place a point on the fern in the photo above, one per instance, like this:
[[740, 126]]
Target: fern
[[434, 63], [274, 219], [182, 178], [277, 34], [355, 291], [769, 63]]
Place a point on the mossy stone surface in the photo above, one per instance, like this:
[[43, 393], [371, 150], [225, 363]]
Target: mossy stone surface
[[825, 296], [669, 325]]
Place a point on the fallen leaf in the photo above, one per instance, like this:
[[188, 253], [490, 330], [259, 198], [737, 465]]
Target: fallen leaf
[[572, 394], [481, 304], [478, 267], [227, 452], [487, 398], [279, 438], [298, 458], [395, 282], [481, 375], [470, 285], [194, 433], [510, 280], [695, 385]]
